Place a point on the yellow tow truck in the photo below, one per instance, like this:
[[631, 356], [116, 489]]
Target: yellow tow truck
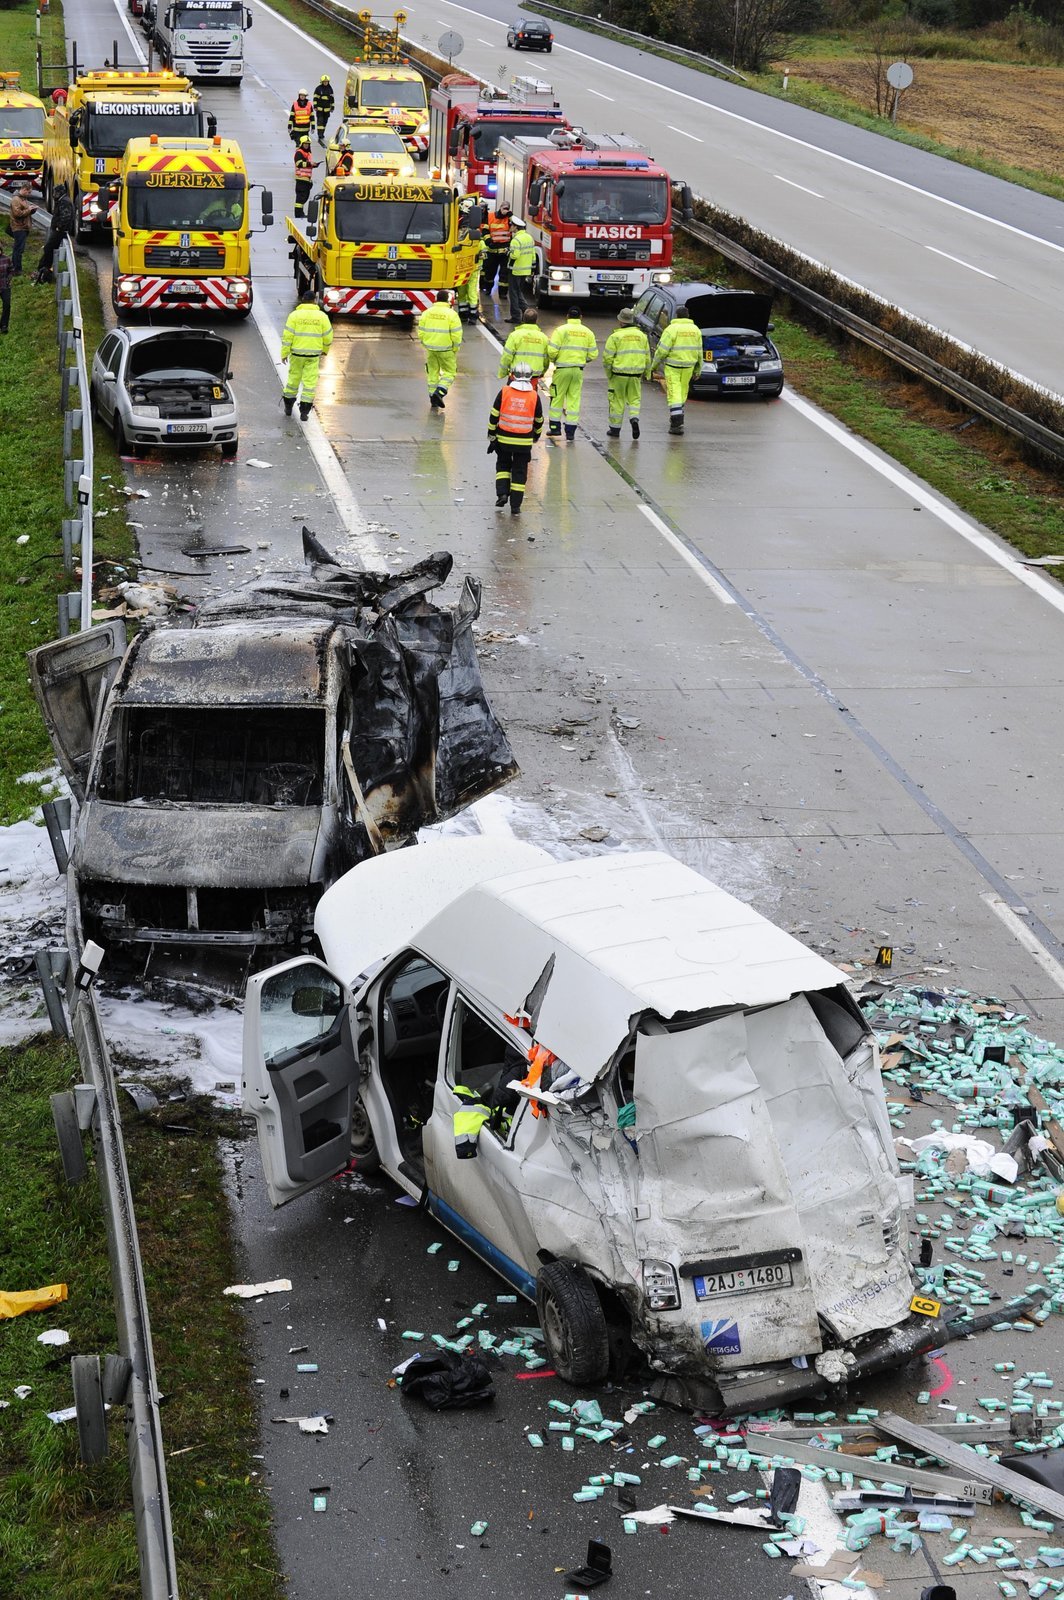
[[382, 86], [180, 225], [382, 247], [21, 133]]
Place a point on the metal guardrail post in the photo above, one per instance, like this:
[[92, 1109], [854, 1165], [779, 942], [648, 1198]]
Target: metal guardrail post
[[77, 408]]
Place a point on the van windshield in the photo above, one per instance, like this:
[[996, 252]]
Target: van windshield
[[609, 198], [237, 756], [392, 92], [218, 210], [391, 221], [21, 122], [110, 126], [212, 14]]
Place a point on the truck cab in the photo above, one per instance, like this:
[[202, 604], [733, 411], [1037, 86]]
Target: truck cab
[[393, 93], [466, 124], [203, 38], [21, 134]]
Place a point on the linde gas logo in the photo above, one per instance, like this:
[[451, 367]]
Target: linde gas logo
[[614, 230], [140, 108]]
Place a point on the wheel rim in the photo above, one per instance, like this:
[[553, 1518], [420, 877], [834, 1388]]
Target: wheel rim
[[362, 1141], [556, 1333]]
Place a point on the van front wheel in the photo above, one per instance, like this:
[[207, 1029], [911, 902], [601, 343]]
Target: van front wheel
[[573, 1323]]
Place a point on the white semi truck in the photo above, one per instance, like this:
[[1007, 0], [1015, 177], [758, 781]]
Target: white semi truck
[[202, 38]]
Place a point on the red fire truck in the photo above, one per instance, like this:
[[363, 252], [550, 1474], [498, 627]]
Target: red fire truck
[[466, 123], [599, 209]]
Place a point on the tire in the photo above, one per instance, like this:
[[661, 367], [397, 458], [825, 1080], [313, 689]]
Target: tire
[[422, 155], [363, 1145], [573, 1323], [118, 433], [230, 448]]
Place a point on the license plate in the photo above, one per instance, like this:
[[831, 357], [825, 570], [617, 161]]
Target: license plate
[[183, 286], [741, 383], [612, 277], [395, 296], [185, 427], [744, 1280]]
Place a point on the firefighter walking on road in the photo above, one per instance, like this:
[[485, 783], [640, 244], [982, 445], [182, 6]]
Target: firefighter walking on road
[[626, 358], [304, 165], [521, 266], [496, 232], [324, 101], [468, 294], [439, 328], [571, 348], [680, 349], [528, 344], [515, 424], [300, 114], [306, 337]]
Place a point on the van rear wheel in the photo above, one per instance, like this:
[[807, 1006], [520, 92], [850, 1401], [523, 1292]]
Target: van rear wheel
[[573, 1323]]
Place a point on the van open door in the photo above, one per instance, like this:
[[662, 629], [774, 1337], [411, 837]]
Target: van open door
[[300, 1074], [70, 679]]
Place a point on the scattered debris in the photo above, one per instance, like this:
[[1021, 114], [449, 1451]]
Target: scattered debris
[[447, 1381], [252, 461], [249, 1291], [595, 835], [53, 1336], [16, 1302]]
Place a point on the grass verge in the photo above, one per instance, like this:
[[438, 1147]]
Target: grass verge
[[31, 473], [65, 1529]]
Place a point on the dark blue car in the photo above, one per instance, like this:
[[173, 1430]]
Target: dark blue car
[[738, 355]]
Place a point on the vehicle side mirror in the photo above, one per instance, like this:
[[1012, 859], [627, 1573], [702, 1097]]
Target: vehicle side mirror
[[313, 207], [535, 194], [267, 208], [687, 202], [109, 377], [212, 125], [771, 328], [316, 1002], [247, 19], [559, 188]]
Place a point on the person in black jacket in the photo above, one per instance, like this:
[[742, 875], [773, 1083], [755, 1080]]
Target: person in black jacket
[[324, 101], [515, 423], [63, 227]]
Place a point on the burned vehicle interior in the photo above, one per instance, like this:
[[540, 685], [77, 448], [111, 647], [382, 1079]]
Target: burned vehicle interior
[[217, 756]]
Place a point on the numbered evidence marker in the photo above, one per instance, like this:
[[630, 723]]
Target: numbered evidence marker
[[925, 1306]]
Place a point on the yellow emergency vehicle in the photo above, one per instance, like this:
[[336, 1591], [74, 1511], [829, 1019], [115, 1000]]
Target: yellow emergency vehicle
[[382, 247], [393, 93], [21, 133], [368, 150], [180, 225], [85, 138]]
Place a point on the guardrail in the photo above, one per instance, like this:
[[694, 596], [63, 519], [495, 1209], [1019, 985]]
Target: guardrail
[[604, 26], [75, 404], [127, 1378]]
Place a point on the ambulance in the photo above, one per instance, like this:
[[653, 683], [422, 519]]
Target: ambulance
[[368, 150], [21, 134], [181, 229], [85, 138]]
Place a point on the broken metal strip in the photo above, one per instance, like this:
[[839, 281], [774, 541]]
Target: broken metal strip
[[869, 1467], [848, 1432], [376, 838], [983, 1471]]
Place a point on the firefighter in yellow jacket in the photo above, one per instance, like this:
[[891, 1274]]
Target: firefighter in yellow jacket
[[680, 350], [571, 348], [515, 424], [626, 358], [307, 335], [528, 344], [439, 328]]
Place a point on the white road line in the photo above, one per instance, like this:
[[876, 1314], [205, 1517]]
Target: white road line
[[1024, 936], [791, 184], [489, 42], [959, 262], [947, 514], [715, 588], [685, 133], [277, 17], [598, 96], [138, 48]]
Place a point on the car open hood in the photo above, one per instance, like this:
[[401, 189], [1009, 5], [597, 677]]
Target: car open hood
[[195, 349], [737, 310], [218, 847]]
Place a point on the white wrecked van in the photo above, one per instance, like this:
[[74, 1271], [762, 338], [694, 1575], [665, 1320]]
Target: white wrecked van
[[705, 1166]]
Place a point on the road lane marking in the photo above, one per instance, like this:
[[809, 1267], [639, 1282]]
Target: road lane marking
[[1024, 936], [291, 26], [688, 554], [489, 42], [598, 96], [685, 133], [959, 262], [138, 48], [791, 183]]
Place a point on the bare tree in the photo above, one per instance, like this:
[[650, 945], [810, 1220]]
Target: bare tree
[[747, 33], [885, 41]]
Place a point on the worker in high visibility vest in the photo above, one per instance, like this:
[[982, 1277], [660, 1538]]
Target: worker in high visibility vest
[[496, 232], [680, 350], [324, 101], [521, 266], [515, 424], [469, 1119], [439, 328], [304, 165], [626, 358], [468, 294], [571, 348], [299, 116], [527, 344], [306, 337]]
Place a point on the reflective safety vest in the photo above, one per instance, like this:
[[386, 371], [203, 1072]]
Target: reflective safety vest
[[299, 116], [627, 353], [308, 332], [573, 345], [680, 345], [528, 344], [517, 413], [345, 161], [439, 327], [500, 230], [468, 1121], [522, 255], [304, 164]]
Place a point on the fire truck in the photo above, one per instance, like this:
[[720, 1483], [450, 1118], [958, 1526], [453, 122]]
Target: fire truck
[[465, 126], [599, 209]]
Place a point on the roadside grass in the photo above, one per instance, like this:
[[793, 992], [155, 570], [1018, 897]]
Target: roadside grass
[[66, 1529], [967, 461], [31, 475]]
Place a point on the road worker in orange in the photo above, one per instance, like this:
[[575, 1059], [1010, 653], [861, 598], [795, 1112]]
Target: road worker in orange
[[515, 424]]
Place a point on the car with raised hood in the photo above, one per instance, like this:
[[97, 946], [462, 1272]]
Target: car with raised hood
[[165, 388], [685, 1148], [529, 35], [738, 357], [225, 773]]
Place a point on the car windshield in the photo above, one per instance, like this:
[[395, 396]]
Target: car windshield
[[378, 141], [609, 198], [21, 122], [213, 14], [391, 221], [107, 131], [486, 135], [235, 756], [388, 92], [184, 210]]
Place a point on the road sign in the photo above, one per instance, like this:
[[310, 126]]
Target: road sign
[[451, 44], [899, 74]]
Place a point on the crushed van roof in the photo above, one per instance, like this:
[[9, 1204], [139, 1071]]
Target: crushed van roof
[[236, 663]]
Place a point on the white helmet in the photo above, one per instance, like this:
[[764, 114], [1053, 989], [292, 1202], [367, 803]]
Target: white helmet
[[517, 222], [521, 370]]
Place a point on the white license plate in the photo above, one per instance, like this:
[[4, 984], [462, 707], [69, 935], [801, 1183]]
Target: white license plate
[[744, 1280], [183, 286], [612, 277], [393, 296], [185, 427], [740, 383]]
